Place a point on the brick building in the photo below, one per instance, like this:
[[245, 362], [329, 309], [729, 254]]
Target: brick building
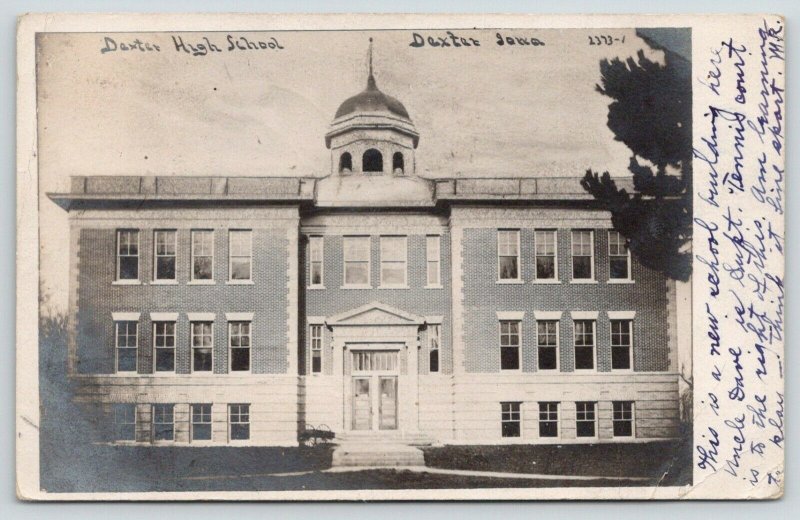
[[375, 302]]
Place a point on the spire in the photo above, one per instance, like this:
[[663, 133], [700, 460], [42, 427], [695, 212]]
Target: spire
[[371, 85]]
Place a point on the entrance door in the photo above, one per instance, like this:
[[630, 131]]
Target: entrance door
[[362, 404], [388, 403]]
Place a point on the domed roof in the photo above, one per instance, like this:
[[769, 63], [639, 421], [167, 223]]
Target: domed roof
[[372, 100]]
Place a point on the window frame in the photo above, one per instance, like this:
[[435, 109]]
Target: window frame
[[592, 271], [434, 350], [593, 421], [404, 283], [193, 256], [156, 256], [193, 424], [231, 347], [346, 260], [615, 420], [193, 347], [429, 261], [117, 347], [557, 346], [593, 345], [312, 338], [511, 420], [119, 256], [320, 240], [518, 347], [239, 414], [156, 348], [518, 257], [231, 256], [549, 419], [154, 423], [536, 255], [629, 346], [629, 277], [118, 425]]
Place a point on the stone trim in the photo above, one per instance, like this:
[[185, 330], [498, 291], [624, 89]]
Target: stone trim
[[547, 315], [621, 315], [126, 316], [163, 316], [201, 316], [584, 315]]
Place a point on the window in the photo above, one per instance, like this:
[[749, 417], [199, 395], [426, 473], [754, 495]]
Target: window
[[548, 419], [202, 346], [547, 344], [508, 254], [315, 253], [375, 361], [163, 422], [510, 419], [127, 342], [622, 418], [240, 249], [164, 343], [356, 261], [202, 255], [201, 422], [397, 163], [127, 254], [165, 255], [582, 261], [434, 337], [509, 345], [545, 247], [346, 163], [433, 255], [394, 257], [618, 257], [239, 421], [585, 419], [372, 161], [239, 339], [315, 333], [584, 345], [125, 422], [621, 344]]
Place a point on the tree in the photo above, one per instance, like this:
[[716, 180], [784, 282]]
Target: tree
[[651, 113]]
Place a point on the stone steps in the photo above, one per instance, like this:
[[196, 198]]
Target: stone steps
[[377, 455], [406, 438]]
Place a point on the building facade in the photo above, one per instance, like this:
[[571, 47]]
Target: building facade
[[371, 302]]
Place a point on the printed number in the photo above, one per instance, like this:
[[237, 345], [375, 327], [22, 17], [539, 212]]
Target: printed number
[[605, 39]]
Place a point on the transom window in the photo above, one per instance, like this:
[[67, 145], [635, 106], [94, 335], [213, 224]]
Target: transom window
[[621, 344], [239, 421], [202, 345], [127, 340], [315, 333], [202, 254], [547, 344], [585, 419], [356, 261], [434, 337], [374, 361], [548, 419], [394, 260], [433, 257], [584, 344], [622, 418], [618, 257], [163, 422], [165, 255], [127, 254], [239, 338], [315, 253], [508, 254], [164, 343], [582, 255], [125, 422], [545, 247], [201, 422], [240, 251], [509, 344], [511, 419]]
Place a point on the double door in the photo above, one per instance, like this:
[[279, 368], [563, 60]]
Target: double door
[[374, 402]]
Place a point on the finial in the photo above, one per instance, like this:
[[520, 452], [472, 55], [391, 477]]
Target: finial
[[370, 57]]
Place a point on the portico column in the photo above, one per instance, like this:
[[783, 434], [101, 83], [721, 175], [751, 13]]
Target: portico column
[[412, 353]]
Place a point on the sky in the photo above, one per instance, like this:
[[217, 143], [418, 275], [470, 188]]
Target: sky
[[521, 111]]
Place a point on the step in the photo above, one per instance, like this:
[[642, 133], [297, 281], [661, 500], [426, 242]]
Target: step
[[377, 455], [408, 438]]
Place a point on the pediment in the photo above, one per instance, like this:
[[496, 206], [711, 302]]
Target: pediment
[[376, 313]]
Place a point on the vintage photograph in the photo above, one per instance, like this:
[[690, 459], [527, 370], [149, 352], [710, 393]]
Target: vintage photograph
[[365, 259]]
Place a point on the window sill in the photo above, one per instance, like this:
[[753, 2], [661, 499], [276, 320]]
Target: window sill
[[584, 282], [315, 287], [356, 287], [434, 286], [201, 282], [546, 282], [622, 281], [126, 282], [510, 282], [584, 371], [240, 282], [393, 287], [164, 282]]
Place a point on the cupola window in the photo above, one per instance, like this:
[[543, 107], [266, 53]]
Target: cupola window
[[372, 161], [346, 163], [397, 163]]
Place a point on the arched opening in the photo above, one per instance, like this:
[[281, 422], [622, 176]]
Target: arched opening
[[397, 163], [345, 163], [372, 161]]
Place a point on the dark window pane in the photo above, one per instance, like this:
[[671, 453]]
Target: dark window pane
[[240, 432], [581, 267], [240, 269], [202, 268], [126, 360], [126, 432], [547, 358], [316, 274], [548, 429], [202, 360], [509, 358], [164, 432], [372, 161], [165, 360], [316, 364], [201, 432], [619, 267], [165, 268], [623, 428], [508, 268], [620, 358], [240, 359], [511, 429], [129, 268], [585, 429], [545, 268], [434, 361], [584, 358]]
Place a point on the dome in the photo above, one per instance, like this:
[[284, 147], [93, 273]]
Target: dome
[[372, 100]]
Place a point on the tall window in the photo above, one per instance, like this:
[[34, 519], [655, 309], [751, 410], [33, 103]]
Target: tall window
[[508, 254], [394, 260], [545, 246], [585, 419], [434, 338], [584, 344], [164, 343], [582, 261], [239, 421], [618, 257], [621, 343], [163, 422], [547, 344], [239, 339], [202, 255], [548, 419], [127, 254], [510, 419], [509, 345], [201, 422], [398, 165], [127, 333], [125, 422], [356, 261], [622, 418], [315, 253], [433, 254], [165, 255], [240, 251], [346, 163], [315, 333], [202, 345], [372, 161]]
